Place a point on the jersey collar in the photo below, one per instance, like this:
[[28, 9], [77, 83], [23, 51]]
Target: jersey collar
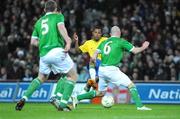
[[114, 36], [49, 13]]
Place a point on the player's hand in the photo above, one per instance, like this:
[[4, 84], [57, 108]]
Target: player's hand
[[75, 37], [145, 44], [67, 48]]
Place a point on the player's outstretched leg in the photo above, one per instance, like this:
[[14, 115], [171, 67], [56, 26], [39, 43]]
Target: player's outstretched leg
[[88, 95], [32, 87], [135, 95]]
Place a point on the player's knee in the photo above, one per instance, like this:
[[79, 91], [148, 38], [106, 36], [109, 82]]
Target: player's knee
[[131, 85], [74, 77], [42, 78], [72, 74]]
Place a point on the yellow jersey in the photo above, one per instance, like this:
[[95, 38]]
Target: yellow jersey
[[90, 46]]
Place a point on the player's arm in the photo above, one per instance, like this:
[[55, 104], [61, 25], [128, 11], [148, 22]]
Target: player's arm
[[76, 39], [98, 51], [34, 41], [94, 57], [84, 48], [63, 31], [144, 46], [35, 37]]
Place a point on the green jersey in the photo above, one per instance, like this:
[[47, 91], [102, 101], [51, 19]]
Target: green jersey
[[112, 50], [46, 31]]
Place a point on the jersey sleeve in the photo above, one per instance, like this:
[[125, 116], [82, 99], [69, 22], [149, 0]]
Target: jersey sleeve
[[84, 47], [60, 19], [35, 34], [127, 45]]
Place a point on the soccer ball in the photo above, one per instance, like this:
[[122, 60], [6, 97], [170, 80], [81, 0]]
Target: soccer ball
[[107, 101]]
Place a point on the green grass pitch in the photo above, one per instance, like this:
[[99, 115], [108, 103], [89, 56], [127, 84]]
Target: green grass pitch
[[88, 111]]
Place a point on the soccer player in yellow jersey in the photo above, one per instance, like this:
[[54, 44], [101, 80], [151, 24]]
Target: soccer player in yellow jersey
[[90, 47]]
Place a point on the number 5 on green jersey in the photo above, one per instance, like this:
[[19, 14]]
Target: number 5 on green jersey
[[44, 26], [47, 34]]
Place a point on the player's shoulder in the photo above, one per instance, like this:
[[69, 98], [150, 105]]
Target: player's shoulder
[[59, 14], [123, 40], [41, 18], [89, 41], [103, 41], [104, 38], [85, 42], [38, 21]]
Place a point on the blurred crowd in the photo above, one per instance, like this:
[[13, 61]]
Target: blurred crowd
[[157, 21]]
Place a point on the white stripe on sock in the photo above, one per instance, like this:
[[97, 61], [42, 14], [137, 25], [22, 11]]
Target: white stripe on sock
[[25, 98], [64, 101]]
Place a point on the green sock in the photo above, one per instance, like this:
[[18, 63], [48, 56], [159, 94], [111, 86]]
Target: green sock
[[88, 95], [60, 87], [135, 95], [68, 89], [31, 88]]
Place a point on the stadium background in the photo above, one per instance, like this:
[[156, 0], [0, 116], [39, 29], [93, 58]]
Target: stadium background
[[156, 71], [157, 21]]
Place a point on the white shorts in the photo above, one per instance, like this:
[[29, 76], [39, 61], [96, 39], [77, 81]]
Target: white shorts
[[56, 61], [112, 74]]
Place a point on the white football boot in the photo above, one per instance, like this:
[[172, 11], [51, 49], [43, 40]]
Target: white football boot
[[143, 108], [74, 101]]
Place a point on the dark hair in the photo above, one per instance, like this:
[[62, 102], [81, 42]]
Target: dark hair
[[96, 27], [50, 6]]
